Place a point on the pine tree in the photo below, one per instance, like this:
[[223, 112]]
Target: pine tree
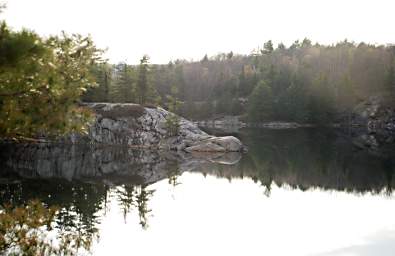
[[124, 90], [100, 93], [390, 79], [173, 120], [142, 82], [261, 103], [41, 80]]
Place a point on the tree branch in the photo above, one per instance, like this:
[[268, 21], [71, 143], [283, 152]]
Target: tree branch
[[13, 94]]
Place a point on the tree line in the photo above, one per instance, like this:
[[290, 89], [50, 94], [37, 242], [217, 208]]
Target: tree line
[[305, 82], [43, 80]]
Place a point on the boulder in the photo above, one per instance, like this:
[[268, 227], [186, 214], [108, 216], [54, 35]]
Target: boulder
[[137, 126]]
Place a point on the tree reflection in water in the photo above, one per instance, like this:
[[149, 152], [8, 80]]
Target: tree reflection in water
[[143, 197], [126, 195], [81, 181], [134, 197], [30, 229], [80, 206], [173, 174]]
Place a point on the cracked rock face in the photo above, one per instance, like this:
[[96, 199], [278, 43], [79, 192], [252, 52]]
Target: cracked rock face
[[137, 126]]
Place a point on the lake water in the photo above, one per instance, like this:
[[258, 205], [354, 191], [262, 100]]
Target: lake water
[[296, 192]]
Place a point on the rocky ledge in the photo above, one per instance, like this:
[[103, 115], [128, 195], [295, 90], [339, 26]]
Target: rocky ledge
[[377, 114], [147, 127]]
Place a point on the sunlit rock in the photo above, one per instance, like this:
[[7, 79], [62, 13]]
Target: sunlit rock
[[137, 126]]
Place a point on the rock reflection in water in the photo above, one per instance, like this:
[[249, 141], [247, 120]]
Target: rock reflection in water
[[81, 179], [314, 158], [109, 165]]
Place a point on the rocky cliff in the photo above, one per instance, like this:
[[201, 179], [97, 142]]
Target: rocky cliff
[[376, 114], [372, 123], [146, 127]]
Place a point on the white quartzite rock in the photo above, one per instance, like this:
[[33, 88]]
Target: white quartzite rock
[[134, 125]]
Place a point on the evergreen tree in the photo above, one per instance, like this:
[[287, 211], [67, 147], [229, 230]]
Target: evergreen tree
[[180, 81], [173, 105], [229, 55], [390, 77], [321, 104], [41, 81], [352, 73], [100, 93], [142, 82], [205, 59], [267, 47], [261, 103], [124, 89]]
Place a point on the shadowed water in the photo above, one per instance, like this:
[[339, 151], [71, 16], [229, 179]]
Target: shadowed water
[[296, 192]]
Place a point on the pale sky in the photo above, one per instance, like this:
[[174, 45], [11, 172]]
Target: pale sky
[[171, 29]]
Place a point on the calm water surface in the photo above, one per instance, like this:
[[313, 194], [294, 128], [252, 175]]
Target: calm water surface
[[296, 192]]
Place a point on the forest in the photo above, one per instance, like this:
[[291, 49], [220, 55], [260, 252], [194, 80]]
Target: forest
[[44, 80], [305, 82], [153, 127]]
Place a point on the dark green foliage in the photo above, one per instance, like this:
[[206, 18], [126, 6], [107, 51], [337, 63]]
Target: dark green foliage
[[142, 82], [261, 103], [321, 102], [101, 93], [267, 47], [132, 197], [41, 80], [124, 83], [173, 120], [123, 89], [26, 230], [390, 77], [308, 82], [247, 80]]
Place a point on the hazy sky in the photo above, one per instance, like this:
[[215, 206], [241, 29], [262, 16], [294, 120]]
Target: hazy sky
[[171, 29]]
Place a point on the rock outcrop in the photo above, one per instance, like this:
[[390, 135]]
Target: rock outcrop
[[375, 114], [372, 124], [146, 127]]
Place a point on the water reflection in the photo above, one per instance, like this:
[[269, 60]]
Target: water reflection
[[301, 158], [135, 197], [212, 216], [89, 184], [381, 243], [306, 158]]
